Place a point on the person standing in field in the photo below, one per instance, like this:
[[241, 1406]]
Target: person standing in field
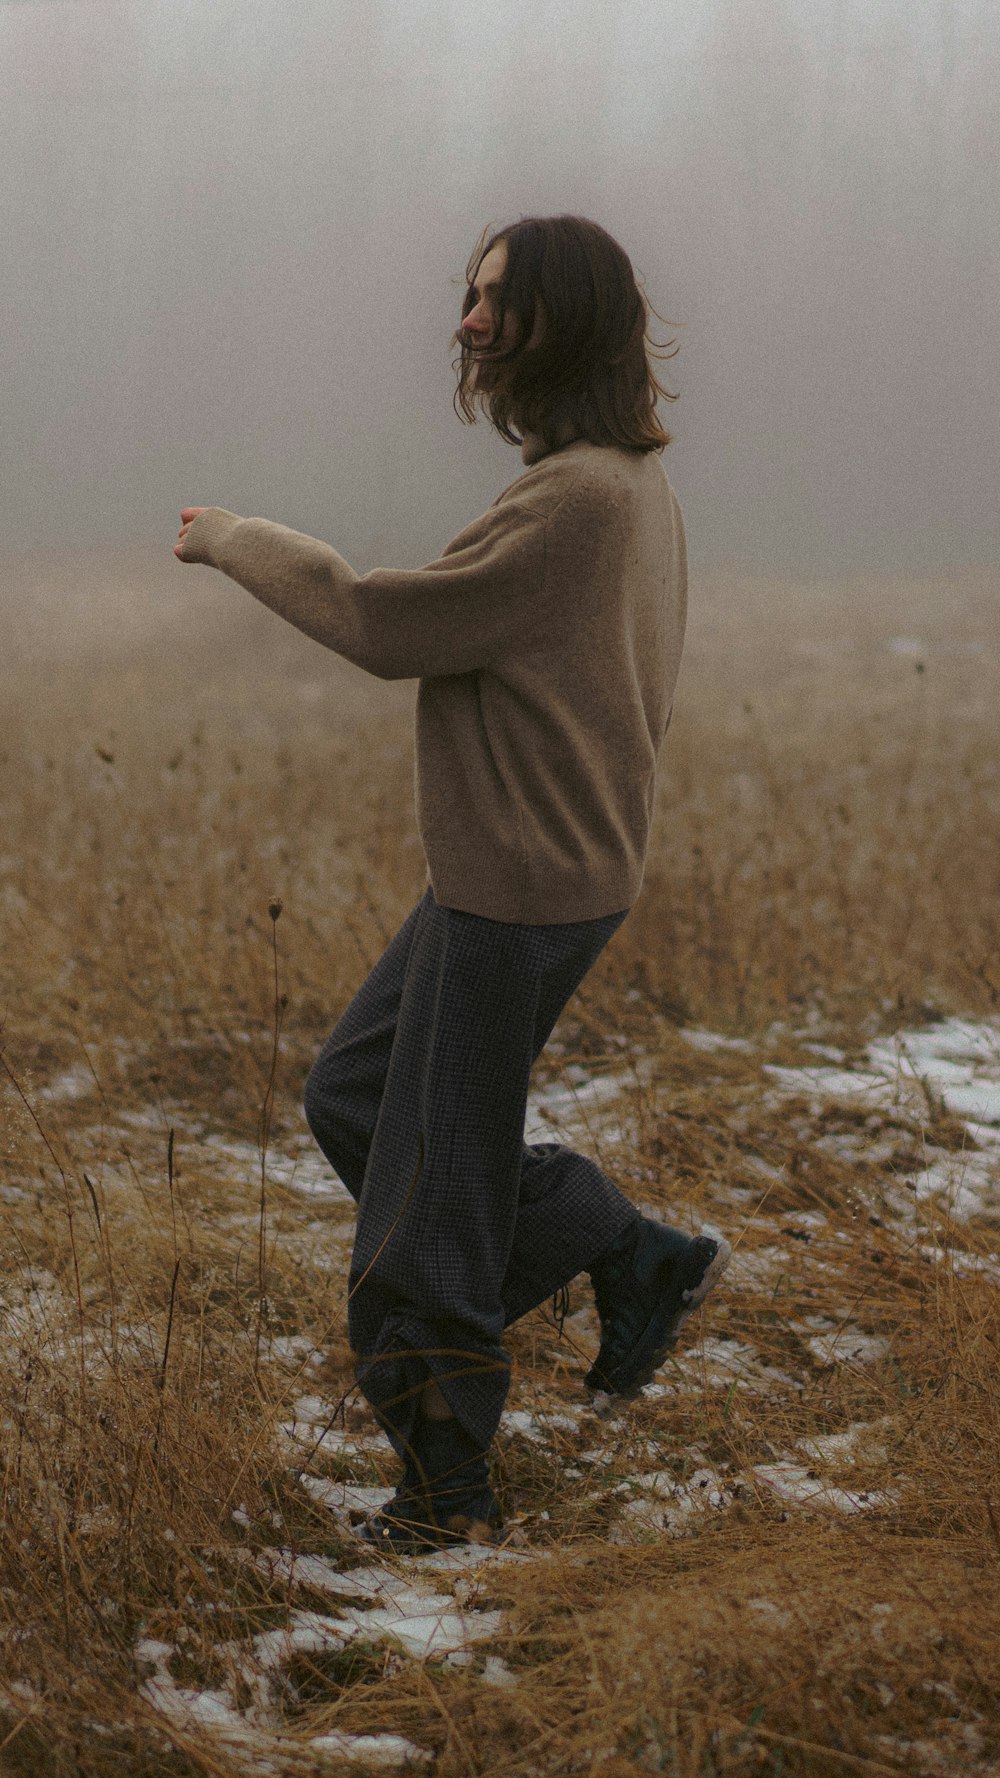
[[546, 639]]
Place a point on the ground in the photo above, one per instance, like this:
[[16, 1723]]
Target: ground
[[782, 1558]]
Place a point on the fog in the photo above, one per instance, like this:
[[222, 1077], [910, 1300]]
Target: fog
[[235, 232]]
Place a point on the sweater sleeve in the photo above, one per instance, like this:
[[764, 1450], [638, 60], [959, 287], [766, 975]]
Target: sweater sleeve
[[453, 616]]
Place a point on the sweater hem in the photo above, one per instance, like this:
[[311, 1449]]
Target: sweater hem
[[512, 904]]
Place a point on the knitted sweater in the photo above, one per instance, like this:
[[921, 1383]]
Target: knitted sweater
[[546, 638]]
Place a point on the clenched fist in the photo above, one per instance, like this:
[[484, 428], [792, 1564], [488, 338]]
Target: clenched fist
[[188, 514]]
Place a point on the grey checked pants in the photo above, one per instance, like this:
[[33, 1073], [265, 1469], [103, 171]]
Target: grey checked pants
[[418, 1101]]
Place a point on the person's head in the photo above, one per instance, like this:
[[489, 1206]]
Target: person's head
[[553, 337]]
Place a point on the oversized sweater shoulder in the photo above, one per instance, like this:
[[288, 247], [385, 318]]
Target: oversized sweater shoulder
[[546, 638]]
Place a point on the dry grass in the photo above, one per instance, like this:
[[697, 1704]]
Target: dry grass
[[826, 868]]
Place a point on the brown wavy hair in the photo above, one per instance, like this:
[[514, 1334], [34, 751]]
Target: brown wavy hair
[[590, 374]]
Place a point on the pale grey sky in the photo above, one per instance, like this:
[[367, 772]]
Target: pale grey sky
[[233, 233]]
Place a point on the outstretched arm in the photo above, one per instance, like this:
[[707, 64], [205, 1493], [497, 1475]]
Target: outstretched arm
[[455, 615]]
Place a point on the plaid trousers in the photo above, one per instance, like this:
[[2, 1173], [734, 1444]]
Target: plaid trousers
[[418, 1101]]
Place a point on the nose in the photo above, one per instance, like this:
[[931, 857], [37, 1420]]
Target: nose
[[477, 325]]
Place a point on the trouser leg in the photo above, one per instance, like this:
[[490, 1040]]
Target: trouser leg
[[344, 1090], [568, 1213]]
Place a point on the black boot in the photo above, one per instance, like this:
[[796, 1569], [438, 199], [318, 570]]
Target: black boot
[[444, 1496], [646, 1284]]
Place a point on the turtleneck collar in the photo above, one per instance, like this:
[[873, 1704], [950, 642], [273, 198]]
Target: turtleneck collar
[[533, 446]]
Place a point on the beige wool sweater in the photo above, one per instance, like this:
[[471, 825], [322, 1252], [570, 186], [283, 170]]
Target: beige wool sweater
[[546, 638]]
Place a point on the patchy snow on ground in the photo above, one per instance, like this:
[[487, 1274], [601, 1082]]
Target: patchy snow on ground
[[253, 1732], [369, 1750], [838, 1342], [956, 1062], [305, 1171], [720, 1363], [345, 1499], [713, 1040], [401, 1604], [799, 1485], [580, 1106], [657, 1501], [438, 1607]]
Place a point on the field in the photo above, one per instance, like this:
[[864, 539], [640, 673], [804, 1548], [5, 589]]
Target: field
[[785, 1558]]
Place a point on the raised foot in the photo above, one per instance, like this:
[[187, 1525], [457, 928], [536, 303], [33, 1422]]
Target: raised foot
[[643, 1309]]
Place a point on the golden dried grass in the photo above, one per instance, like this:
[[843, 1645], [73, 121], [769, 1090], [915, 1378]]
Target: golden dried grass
[[825, 862]]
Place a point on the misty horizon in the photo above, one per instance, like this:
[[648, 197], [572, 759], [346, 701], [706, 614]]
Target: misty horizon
[[237, 240]]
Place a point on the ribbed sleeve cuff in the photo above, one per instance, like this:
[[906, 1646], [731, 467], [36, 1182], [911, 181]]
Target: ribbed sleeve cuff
[[208, 535]]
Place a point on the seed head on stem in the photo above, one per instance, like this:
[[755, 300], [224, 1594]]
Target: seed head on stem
[[274, 908]]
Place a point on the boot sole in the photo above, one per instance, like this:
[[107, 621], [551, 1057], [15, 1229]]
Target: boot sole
[[409, 1537], [650, 1363], [412, 1543]]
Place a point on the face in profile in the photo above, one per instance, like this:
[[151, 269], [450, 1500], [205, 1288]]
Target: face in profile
[[479, 328]]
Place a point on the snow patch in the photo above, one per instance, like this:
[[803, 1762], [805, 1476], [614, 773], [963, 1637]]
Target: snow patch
[[344, 1498], [666, 1504], [857, 1442], [713, 1040], [800, 1486], [369, 1750], [833, 1342]]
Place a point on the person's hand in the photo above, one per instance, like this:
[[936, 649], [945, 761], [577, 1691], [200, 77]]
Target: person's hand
[[188, 514]]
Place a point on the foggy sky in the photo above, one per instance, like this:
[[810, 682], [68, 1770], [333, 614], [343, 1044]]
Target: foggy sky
[[234, 233]]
